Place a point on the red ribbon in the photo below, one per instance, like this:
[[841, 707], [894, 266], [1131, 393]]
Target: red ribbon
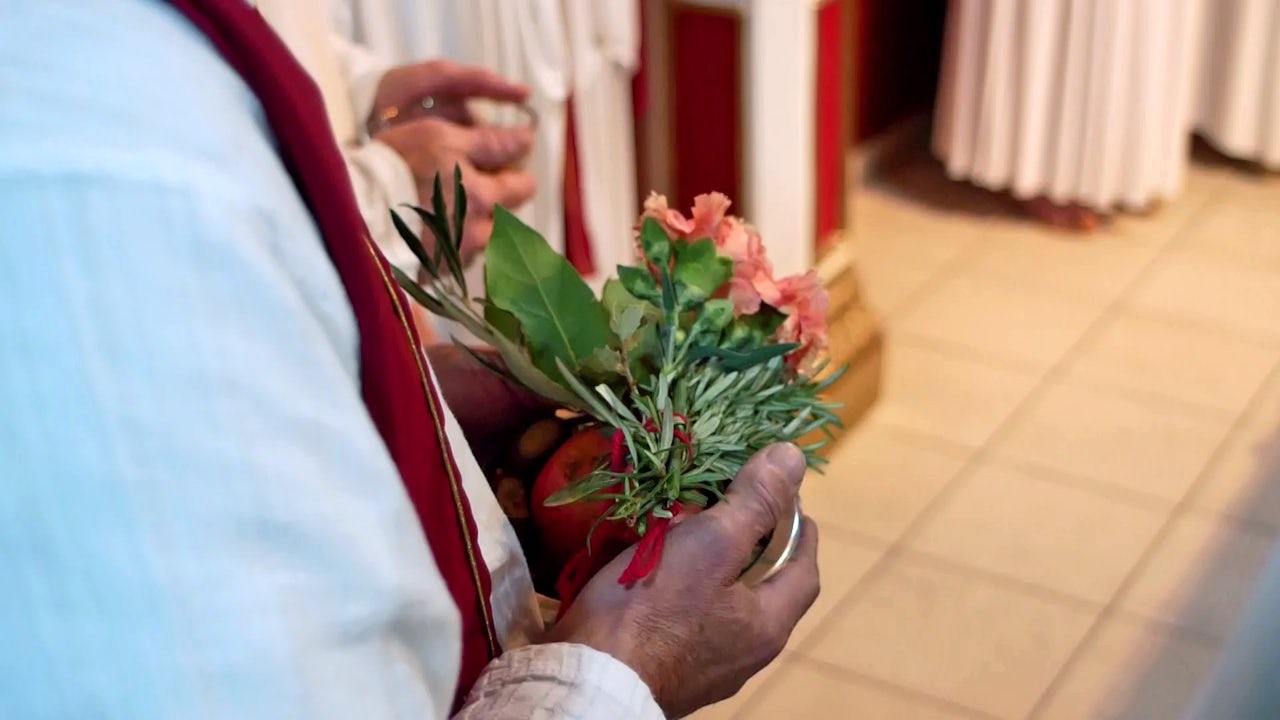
[[649, 549], [575, 574]]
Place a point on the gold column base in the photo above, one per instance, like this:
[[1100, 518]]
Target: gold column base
[[857, 339]]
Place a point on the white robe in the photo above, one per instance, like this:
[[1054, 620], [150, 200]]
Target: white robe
[[604, 37], [1239, 103], [523, 41], [589, 48], [1081, 101]]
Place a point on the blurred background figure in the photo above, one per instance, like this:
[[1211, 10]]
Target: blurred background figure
[[474, 32], [1239, 103], [1077, 108], [578, 59], [399, 124]]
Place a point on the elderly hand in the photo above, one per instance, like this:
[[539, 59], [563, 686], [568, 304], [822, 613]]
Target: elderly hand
[[448, 84], [691, 631], [435, 141]]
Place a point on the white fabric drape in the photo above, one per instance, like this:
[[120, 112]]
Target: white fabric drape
[[523, 41], [1081, 101], [1239, 102], [604, 38], [348, 76]]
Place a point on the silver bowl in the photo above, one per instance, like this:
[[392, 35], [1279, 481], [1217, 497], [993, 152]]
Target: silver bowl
[[778, 551]]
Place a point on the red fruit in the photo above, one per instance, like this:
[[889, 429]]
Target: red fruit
[[563, 529]]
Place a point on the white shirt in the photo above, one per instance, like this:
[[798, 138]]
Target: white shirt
[[197, 515]]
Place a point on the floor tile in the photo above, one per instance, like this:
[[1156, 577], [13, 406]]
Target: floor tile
[[978, 644], [842, 564], [1199, 576], [1206, 289], [803, 690], [1090, 272], [1265, 413], [1242, 481], [1182, 361], [746, 697], [1246, 189], [1241, 230], [999, 320], [954, 398], [920, 180], [878, 481], [901, 247], [1077, 429], [1169, 221], [1132, 670], [1006, 521]]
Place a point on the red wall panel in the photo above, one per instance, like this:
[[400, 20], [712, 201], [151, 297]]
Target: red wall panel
[[706, 77]]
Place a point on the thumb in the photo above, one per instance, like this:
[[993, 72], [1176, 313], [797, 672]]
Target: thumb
[[762, 495], [491, 148]]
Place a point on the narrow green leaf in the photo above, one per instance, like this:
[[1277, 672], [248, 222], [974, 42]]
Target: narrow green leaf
[[438, 205], [415, 291], [444, 244], [735, 360], [578, 491], [560, 316], [459, 207], [616, 403], [669, 305], [598, 409], [414, 244], [693, 497]]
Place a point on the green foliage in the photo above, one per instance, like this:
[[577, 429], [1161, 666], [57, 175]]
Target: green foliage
[[699, 272], [560, 317], [694, 389]]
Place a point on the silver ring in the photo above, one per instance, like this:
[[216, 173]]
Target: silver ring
[[777, 553]]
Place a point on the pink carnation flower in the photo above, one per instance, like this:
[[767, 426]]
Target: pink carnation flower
[[708, 211], [800, 297], [804, 301]]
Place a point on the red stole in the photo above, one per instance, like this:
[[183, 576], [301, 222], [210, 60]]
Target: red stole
[[396, 385]]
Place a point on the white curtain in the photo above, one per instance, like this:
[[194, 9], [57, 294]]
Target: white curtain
[[604, 37], [1239, 102], [1081, 101]]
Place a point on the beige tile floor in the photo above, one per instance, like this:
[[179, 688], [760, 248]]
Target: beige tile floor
[[1063, 497]]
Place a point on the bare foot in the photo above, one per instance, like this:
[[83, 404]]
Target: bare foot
[[1075, 218]]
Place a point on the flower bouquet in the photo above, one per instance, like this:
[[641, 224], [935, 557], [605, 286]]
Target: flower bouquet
[[688, 363]]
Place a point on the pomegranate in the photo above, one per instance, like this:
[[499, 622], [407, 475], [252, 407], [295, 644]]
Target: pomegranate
[[563, 529]]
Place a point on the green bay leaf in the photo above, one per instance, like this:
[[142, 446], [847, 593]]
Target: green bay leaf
[[560, 316]]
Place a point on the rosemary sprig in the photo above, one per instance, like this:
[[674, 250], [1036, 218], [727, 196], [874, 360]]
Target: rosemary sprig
[[692, 390]]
